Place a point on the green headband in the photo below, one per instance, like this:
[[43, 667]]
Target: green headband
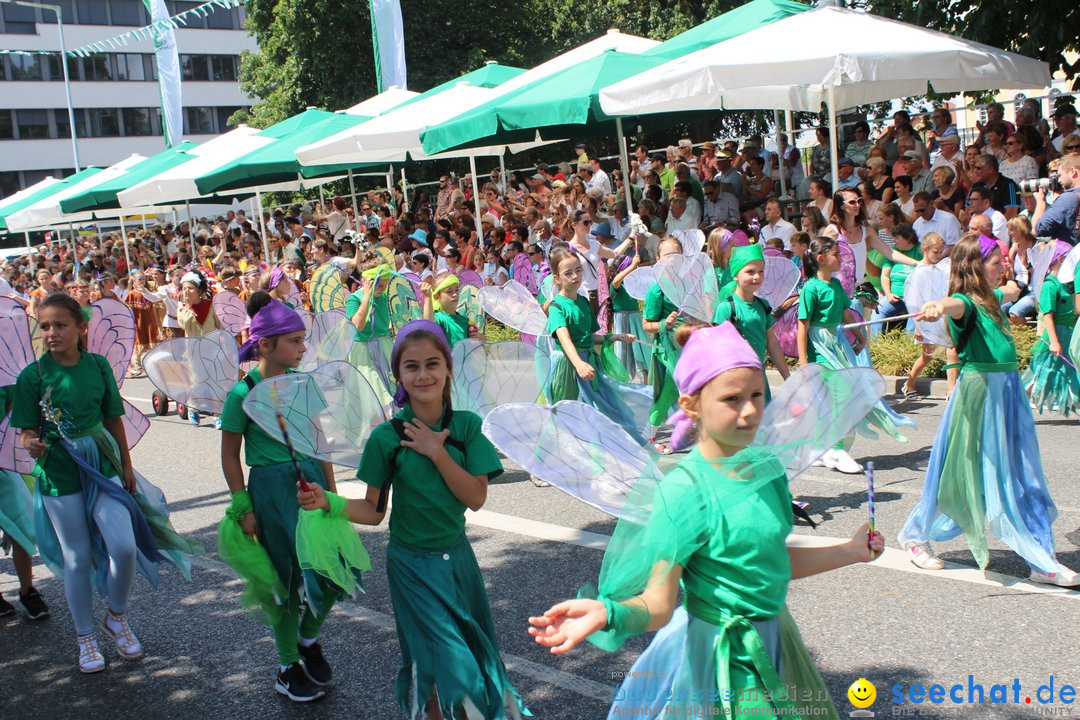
[[741, 256], [378, 272], [447, 283]]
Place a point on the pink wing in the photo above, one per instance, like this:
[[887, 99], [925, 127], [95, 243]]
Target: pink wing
[[16, 346], [781, 277], [231, 313], [603, 294], [786, 329], [112, 334], [135, 424], [847, 267], [12, 454], [471, 277], [414, 280], [294, 297]]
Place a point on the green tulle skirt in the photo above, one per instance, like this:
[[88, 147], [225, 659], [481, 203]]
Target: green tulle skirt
[[1051, 383], [17, 510]]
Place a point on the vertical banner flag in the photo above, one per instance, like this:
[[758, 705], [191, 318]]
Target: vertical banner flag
[[168, 68], [388, 39]]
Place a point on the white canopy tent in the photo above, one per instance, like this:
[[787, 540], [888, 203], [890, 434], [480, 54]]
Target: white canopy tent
[[830, 55]]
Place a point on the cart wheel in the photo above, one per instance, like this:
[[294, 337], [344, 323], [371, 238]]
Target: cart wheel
[[181, 410], [161, 403]]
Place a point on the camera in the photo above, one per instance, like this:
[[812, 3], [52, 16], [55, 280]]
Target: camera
[[1052, 183]]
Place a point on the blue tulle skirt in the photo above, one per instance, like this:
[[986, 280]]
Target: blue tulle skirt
[[633, 356], [1051, 381], [16, 510], [626, 404], [984, 470]]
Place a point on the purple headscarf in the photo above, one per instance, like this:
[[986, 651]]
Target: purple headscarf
[[1061, 249], [274, 318], [276, 276], [987, 246], [709, 352], [400, 396]]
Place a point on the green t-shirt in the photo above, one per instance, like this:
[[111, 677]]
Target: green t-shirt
[[723, 276], [752, 320], [989, 341], [1055, 298], [823, 304], [425, 513], [621, 301], [85, 394], [88, 313], [260, 449], [898, 273], [378, 325], [455, 326], [576, 316], [657, 308]]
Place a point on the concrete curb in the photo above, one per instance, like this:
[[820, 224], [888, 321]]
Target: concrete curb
[[930, 388]]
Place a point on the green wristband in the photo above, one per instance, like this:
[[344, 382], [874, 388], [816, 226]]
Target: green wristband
[[336, 504]]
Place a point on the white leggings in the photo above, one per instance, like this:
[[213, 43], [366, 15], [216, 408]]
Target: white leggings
[[68, 515]]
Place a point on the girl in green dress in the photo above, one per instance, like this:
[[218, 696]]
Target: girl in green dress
[[266, 507], [715, 526], [438, 463], [751, 315], [441, 307], [627, 319], [577, 369], [368, 309], [1050, 379], [661, 318]]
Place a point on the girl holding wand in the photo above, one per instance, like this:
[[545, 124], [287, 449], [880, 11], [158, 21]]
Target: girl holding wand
[[438, 463], [266, 507], [1051, 379], [984, 464], [715, 527]]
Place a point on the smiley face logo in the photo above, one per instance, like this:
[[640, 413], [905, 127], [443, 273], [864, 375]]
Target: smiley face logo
[[862, 693]]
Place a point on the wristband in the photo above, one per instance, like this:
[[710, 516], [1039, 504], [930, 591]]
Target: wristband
[[336, 504], [240, 506]]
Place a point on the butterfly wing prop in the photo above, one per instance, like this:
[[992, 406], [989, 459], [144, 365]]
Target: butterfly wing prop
[[488, 376], [197, 372], [574, 447], [16, 343], [786, 329], [469, 305], [13, 455], [847, 267], [640, 281], [112, 334], [329, 339], [781, 279], [231, 313], [514, 306], [471, 277], [295, 296], [326, 289], [404, 305], [689, 282], [1039, 255], [1067, 274], [924, 284], [329, 412]]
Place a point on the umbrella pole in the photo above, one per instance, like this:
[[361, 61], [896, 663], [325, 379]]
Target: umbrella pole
[[623, 165], [476, 202], [404, 192], [502, 170], [29, 253], [779, 157], [190, 221], [355, 206], [322, 198], [262, 227], [833, 156], [123, 239]]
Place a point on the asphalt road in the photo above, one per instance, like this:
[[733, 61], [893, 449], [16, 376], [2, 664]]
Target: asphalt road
[[888, 621]]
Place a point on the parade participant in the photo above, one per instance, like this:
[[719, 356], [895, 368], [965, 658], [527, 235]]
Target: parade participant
[[196, 315], [661, 317], [441, 307], [984, 466], [368, 309], [627, 319], [1051, 379], [933, 246], [438, 463]]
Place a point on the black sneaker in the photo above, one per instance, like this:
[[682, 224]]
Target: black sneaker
[[293, 683], [36, 609], [315, 665], [5, 607]]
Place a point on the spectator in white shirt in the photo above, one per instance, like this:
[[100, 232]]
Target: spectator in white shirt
[[1018, 166], [685, 190], [686, 155], [775, 225], [979, 205], [600, 179], [640, 165], [721, 208], [928, 219], [678, 218]]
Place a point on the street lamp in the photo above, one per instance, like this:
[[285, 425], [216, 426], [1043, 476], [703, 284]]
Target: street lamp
[[63, 64]]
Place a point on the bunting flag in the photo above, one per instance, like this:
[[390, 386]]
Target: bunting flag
[[168, 67], [388, 39]]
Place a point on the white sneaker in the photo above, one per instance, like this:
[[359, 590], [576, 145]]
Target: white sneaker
[[126, 643], [922, 556], [90, 658], [844, 463], [1064, 577]]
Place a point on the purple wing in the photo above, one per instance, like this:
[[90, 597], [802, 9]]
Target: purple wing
[[295, 298], [847, 267], [471, 277], [231, 313], [781, 277], [786, 329], [12, 454], [112, 334], [16, 347], [135, 424]]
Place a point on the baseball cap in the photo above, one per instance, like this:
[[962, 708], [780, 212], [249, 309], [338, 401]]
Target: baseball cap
[[845, 161], [911, 155], [1067, 109]]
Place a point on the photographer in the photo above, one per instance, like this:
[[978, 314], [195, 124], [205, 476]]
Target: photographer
[[1060, 220]]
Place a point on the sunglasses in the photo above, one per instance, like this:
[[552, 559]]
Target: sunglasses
[[585, 221], [1011, 142], [1072, 147]]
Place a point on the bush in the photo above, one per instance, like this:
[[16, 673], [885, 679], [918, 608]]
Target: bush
[[497, 331], [894, 353]]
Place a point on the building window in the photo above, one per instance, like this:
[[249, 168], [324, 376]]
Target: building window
[[32, 123], [127, 12], [97, 67], [223, 115], [19, 20], [57, 73], [63, 127], [198, 121], [194, 67], [137, 122], [93, 12], [26, 67], [130, 66], [9, 183], [193, 21], [104, 122], [7, 130], [67, 7], [223, 67], [223, 19], [33, 177]]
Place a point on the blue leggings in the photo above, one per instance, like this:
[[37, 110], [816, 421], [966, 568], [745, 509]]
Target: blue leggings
[[68, 516]]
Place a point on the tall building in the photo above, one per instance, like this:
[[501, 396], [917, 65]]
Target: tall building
[[115, 94]]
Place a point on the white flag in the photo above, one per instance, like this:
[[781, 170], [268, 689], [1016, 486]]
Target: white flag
[[388, 37], [168, 69]]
